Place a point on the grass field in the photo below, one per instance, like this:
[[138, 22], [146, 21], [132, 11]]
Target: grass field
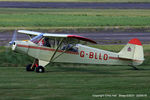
[[73, 82], [70, 18], [79, 0]]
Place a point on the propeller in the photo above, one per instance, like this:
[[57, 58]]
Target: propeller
[[7, 46], [14, 37]]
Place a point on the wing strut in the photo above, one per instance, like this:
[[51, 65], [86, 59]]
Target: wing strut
[[56, 49], [62, 53]]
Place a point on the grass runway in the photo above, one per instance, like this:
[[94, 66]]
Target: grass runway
[[72, 82]]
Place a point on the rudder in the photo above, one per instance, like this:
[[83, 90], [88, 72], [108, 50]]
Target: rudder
[[133, 51]]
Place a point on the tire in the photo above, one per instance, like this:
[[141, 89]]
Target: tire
[[28, 68], [40, 69]]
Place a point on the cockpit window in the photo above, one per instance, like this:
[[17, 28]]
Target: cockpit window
[[46, 42], [70, 47], [67, 44]]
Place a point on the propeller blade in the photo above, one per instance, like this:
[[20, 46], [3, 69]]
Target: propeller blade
[[13, 38]]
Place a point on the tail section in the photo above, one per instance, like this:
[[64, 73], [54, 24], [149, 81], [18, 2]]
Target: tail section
[[133, 51]]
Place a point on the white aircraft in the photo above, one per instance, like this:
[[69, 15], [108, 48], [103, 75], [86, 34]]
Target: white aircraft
[[64, 48]]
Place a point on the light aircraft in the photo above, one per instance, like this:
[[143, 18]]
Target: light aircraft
[[47, 48]]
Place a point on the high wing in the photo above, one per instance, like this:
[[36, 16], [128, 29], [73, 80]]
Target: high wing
[[57, 35]]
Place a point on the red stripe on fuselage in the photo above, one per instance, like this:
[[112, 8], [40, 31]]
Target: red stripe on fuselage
[[115, 58], [47, 49]]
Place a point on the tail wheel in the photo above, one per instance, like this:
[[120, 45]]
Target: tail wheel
[[40, 69], [30, 68]]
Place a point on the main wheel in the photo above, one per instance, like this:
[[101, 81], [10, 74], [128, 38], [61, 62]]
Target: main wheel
[[40, 69], [28, 67]]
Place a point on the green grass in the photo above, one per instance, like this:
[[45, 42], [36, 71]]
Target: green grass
[[83, 18], [79, 0], [8, 58], [70, 21], [72, 82], [90, 12]]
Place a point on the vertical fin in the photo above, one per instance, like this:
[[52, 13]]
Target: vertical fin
[[134, 51]]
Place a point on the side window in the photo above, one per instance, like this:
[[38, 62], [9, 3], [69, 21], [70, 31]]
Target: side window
[[52, 42], [69, 45], [46, 42]]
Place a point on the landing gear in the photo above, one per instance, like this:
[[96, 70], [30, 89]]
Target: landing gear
[[35, 66], [40, 69], [30, 67]]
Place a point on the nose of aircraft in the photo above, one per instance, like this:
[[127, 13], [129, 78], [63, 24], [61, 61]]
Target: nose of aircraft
[[14, 46]]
